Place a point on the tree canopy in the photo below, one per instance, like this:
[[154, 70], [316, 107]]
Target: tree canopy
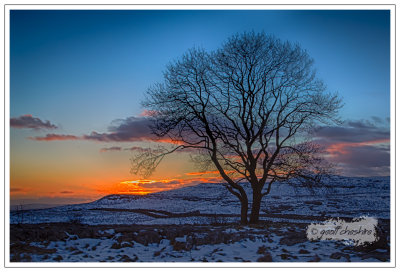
[[248, 108]]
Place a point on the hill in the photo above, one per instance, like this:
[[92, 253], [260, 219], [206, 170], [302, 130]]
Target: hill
[[211, 202]]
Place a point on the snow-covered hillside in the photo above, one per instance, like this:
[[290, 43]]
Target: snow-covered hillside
[[211, 202], [153, 228]]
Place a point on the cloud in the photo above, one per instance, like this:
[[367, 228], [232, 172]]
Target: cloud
[[131, 129], [364, 161], [353, 131], [148, 186], [348, 144], [113, 148], [344, 148], [124, 130], [152, 186], [359, 148], [19, 190], [147, 113], [161, 185], [54, 137], [118, 148], [368, 156], [202, 173], [28, 121], [66, 192], [137, 148]]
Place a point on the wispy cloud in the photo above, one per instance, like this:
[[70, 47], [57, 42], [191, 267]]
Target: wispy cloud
[[147, 113], [137, 148], [28, 121], [202, 173], [19, 190], [337, 149], [113, 148], [66, 192], [131, 129], [54, 137]]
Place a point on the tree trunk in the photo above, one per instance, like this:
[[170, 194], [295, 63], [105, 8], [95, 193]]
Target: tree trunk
[[243, 211], [255, 207]]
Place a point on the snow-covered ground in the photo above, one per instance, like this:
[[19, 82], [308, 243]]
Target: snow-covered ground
[[199, 223], [345, 197]]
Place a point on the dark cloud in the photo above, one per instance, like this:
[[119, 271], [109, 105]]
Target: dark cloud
[[353, 131], [66, 192], [117, 148], [15, 190], [113, 148], [130, 129], [359, 148], [124, 130], [28, 121], [363, 171], [54, 137], [174, 182]]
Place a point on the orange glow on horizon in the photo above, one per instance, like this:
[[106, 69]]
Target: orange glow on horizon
[[143, 187], [202, 173], [170, 141]]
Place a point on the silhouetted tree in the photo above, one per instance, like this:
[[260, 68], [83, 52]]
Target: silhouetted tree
[[248, 108]]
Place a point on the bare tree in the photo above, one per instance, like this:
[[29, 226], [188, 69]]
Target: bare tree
[[248, 108]]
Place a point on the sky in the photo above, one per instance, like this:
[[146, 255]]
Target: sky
[[77, 79]]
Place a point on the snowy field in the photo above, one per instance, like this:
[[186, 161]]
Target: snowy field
[[199, 224]]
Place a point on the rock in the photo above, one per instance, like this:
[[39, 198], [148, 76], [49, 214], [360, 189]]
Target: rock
[[293, 238], [58, 258], [179, 246], [261, 250], [126, 244], [303, 251], [316, 258], [285, 256], [147, 237], [338, 255], [266, 258], [383, 257], [125, 258], [123, 244]]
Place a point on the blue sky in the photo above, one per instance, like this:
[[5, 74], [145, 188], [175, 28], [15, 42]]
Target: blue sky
[[105, 60], [81, 70]]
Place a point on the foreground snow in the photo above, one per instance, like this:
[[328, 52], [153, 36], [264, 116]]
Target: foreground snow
[[199, 224], [268, 242]]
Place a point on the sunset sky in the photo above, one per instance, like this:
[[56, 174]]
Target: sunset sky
[[77, 79]]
